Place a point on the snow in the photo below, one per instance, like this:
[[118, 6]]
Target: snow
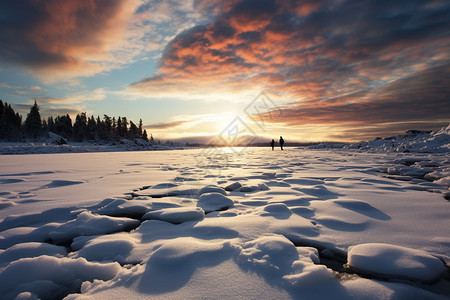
[[412, 141], [57, 144], [214, 201], [176, 215], [87, 223], [395, 262], [238, 223], [51, 277]]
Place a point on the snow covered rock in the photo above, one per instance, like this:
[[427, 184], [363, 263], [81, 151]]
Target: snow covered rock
[[212, 189], [87, 223], [176, 215], [32, 249], [233, 186], [413, 141], [112, 248], [391, 261], [55, 139], [51, 277], [127, 208], [214, 201]]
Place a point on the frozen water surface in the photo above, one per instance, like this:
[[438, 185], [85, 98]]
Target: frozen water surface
[[235, 223]]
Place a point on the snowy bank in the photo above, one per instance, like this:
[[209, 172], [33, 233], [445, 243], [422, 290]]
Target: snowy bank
[[50, 146]]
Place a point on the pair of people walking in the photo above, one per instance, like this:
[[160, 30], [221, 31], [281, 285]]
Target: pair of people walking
[[281, 143]]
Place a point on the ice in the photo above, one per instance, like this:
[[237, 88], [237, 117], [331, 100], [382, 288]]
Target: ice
[[395, 262], [214, 201]]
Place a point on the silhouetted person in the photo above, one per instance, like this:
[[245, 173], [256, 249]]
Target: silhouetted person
[[281, 142], [272, 143]]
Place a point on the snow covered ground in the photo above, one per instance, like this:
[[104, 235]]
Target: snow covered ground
[[51, 146], [225, 223]]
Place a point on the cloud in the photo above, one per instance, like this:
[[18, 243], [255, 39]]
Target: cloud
[[21, 90], [165, 125], [77, 98], [47, 110], [57, 106], [344, 61], [56, 40], [421, 97]]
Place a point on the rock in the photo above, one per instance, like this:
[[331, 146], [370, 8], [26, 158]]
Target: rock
[[233, 186]]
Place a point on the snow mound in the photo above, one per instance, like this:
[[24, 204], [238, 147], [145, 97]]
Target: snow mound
[[32, 249], [113, 248], [385, 260], [214, 201], [212, 189], [276, 258], [87, 223], [51, 277], [124, 208], [176, 215], [412, 141], [254, 188]]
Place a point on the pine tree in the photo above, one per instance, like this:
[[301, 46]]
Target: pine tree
[[124, 129], [51, 124], [91, 131], [144, 135], [119, 127], [33, 123], [10, 123], [108, 125], [140, 129], [80, 127], [133, 132]]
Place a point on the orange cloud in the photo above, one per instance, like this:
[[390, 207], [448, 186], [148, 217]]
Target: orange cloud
[[61, 39], [344, 61]]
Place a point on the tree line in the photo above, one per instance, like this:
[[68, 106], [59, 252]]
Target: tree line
[[84, 128]]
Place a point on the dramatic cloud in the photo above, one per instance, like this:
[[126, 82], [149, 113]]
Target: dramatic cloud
[[61, 39], [344, 61], [422, 96]]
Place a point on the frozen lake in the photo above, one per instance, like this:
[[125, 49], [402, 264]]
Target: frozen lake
[[215, 223]]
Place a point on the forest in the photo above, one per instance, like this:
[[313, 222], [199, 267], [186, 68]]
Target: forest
[[106, 129]]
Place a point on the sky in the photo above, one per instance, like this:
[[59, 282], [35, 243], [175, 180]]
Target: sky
[[195, 70]]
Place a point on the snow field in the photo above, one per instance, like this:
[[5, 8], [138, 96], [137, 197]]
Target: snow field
[[239, 225]]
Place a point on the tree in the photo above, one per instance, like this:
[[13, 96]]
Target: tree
[[91, 131], [124, 127], [145, 136], [119, 127], [140, 133], [133, 133], [63, 126], [80, 127], [10, 123], [33, 123]]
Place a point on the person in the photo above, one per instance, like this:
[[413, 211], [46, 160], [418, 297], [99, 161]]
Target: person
[[281, 142], [272, 143]]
